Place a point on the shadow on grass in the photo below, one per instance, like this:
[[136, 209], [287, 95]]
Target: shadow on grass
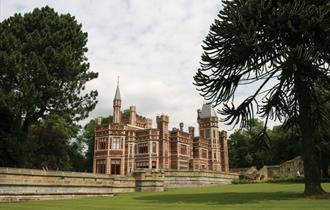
[[221, 197]]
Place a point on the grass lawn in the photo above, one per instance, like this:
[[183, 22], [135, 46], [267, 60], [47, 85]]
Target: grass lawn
[[242, 196]]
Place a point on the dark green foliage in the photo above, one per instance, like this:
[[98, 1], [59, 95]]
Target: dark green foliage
[[245, 150], [53, 145], [43, 66], [8, 140], [285, 145], [283, 48], [88, 137], [43, 72]]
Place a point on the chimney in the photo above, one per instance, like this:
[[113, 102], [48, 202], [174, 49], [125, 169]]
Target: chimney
[[181, 126], [191, 131], [148, 123], [132, 116]]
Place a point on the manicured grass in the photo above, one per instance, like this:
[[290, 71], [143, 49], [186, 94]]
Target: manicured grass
[[240, 196]]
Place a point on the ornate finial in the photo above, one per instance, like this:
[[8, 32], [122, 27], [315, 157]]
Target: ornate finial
[[117, 80]]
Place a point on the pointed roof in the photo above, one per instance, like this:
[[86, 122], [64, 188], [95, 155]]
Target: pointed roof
[[207, 111], [117, 94]]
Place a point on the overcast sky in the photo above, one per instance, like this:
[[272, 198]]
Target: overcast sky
[[153, 45]]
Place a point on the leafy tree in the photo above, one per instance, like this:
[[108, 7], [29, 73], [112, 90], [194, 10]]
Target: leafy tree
[[8, 141], [88, 137], [324, 94], [281, 47], [245, 149], [43, 70], [53, 145], [285, 144]]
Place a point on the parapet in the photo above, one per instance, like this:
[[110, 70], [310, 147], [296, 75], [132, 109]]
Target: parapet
[[162, 117]]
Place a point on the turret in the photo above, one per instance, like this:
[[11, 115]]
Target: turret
[[208, 129]]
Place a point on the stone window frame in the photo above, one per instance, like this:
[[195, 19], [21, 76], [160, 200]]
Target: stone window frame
[[115, 166], [100, 166], [154, 147], [116, 143], [143, 148], [102, 144], [183, 148]]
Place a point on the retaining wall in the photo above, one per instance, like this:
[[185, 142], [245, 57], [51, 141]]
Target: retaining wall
[[25, 184], [174, 179]]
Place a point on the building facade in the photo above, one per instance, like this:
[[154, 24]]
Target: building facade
[[130, 143]]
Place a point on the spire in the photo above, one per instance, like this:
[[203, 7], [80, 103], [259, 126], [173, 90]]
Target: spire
[[117, 95]]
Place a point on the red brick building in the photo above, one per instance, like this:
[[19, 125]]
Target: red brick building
[[130, 143]]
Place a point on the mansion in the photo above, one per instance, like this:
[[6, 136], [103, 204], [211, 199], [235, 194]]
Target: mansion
[[130, 143]]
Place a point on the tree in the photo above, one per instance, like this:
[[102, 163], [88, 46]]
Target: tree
[[324, 146], [285, 144], [53, 145], [282, 48], [8, 142], [245, 149], [44, 69]]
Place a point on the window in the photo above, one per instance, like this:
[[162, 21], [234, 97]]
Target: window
[[202, 133], [102, 143], [154, 147], [183, 149], [115, 167], [142, 164], [115, 143], [100, 166], [204, 153], [143, 148], [207, 133], [214, 135], [154, 164]]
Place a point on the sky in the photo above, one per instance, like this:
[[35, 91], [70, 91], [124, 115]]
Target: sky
[[154, 47]]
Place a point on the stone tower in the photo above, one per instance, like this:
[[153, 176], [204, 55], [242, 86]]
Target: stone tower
[[117, 106], [208, 129], [162, 125]]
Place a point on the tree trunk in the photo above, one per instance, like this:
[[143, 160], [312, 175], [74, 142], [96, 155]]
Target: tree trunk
[[311, 155]]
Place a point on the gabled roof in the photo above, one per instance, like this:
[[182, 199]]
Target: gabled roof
[[207, 111]]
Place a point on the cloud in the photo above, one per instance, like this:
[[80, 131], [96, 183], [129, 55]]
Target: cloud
[[153, 45]]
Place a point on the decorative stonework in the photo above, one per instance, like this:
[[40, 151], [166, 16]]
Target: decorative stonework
[[143, 147]]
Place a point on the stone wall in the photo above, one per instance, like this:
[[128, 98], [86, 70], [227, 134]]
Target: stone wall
[[149, 181], [25, 184], [174, 179], [287, 169]]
